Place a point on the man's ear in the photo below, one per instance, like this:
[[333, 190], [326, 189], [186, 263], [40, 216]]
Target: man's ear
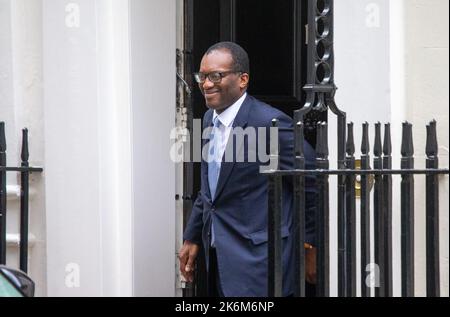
[[245, 79]]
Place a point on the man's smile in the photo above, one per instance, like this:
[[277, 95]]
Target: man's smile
[[209, 94]]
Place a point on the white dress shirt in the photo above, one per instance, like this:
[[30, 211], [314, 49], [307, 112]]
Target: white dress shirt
[[227, 119]]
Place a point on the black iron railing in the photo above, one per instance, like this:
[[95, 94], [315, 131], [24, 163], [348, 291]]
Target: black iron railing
[[24, 171], [320, 90], [382, 196]]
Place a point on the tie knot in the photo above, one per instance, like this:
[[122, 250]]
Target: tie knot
[[217, 123]]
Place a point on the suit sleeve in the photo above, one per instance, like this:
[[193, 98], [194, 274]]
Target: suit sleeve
[[194, 227], [286, 139], [193, 231]]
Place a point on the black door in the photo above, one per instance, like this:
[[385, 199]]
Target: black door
[[273, 33]]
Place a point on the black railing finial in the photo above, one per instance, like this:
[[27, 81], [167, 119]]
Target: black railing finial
[[407, 140], [350, 146], [2, 137], [432, 144], [25, 153], [377, 148], [387, 146], [365, 144], [322, 140], [299, 143], [275, 149]]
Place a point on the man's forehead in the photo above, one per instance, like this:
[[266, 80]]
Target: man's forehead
[[217, 59]]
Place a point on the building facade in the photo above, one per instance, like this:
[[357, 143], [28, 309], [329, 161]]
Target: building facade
[[95, 83]]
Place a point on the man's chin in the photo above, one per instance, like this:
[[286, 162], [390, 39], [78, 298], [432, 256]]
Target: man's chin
[[212, 106]]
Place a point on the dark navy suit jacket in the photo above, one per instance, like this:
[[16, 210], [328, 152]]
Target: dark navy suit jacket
[[239, 210]]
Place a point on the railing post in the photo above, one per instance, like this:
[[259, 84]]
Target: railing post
[[379, 211], [24, 196], [350, 220], [365, 211], [407, 213], [432, 211], [299, 214], [387, 206], [322, 215], [3, 194], [275, 274]]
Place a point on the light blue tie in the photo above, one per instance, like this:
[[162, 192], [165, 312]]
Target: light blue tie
[[214, 159], [214, 166]]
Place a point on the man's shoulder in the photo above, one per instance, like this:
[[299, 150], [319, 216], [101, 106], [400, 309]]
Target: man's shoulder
[[262, 112]]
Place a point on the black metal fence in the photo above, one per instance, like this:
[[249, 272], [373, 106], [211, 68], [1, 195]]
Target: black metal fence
[[24, 171], [382, 173], [320, 91]]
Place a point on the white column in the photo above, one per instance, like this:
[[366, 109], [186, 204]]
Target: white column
[[87, 147], [153, 60]]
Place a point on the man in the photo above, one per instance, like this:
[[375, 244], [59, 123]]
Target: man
[[230, 214]]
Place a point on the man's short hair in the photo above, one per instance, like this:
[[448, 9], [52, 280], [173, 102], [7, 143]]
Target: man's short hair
[[241, 61]]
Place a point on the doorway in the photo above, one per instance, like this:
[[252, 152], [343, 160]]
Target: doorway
[[274, 35]]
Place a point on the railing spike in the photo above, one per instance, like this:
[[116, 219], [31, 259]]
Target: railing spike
[[377, 148], [274, 150], [350, 146], [410, 139], [365, 146], [322, 140], [432, 144], [407, 140], [325, 139], [25, 153], [2, 137], [387, 146], [299, 151]]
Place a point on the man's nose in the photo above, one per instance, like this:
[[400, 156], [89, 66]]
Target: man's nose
[[207, 84]]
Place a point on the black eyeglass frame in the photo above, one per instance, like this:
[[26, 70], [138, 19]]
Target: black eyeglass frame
[[222, 75]]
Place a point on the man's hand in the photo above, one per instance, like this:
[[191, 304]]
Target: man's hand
[[311, 268], [187, 255]]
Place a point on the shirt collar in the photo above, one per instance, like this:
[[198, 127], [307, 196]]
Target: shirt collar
[[227, 117]]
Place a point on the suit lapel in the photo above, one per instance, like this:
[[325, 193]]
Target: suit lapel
[[205, 142], [227, 167]]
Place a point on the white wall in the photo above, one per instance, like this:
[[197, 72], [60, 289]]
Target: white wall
[[391, 66], [362, 75], [426, 64], [21, 106], [362, 60]]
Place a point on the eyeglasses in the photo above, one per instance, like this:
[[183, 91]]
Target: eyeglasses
[[214, 77]]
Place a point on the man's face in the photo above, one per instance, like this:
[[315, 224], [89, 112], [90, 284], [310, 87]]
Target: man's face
[[219, 96]]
